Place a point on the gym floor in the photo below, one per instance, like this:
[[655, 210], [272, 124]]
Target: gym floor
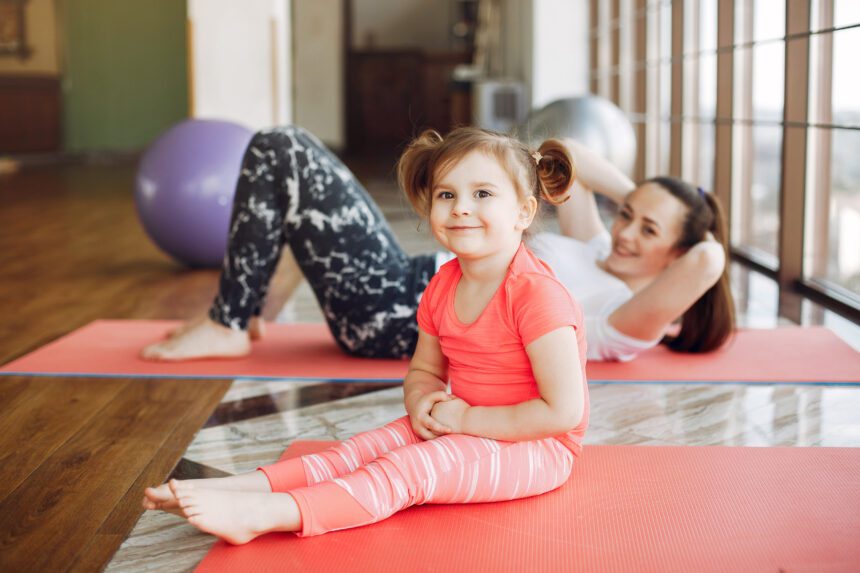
[[71, 251]]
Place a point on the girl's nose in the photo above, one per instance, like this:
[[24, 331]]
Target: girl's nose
[[462, 207]]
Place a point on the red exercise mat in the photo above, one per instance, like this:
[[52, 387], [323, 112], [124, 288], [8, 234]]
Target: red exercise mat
[[784, 354], [625, 508], [111, 348]]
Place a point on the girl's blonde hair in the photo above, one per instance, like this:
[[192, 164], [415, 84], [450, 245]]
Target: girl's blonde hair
[[545, 174]]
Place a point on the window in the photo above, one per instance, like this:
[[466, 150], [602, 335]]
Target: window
[[760, 98], [700, 92], [658, 81], [759, 83], [832, 238]]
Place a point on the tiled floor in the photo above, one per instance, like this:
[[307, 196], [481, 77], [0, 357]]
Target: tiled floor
[[257, 420]]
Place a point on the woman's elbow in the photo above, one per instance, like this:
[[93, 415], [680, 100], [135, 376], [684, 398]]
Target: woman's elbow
[[710, 260]]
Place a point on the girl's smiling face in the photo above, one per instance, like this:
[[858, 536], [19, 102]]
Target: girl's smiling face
[[476, 210], [645, 233]]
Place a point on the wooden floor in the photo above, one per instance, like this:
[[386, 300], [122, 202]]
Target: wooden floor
[[75, 453]]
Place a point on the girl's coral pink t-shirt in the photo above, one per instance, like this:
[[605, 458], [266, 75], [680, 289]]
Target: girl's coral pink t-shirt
[[487, 360]]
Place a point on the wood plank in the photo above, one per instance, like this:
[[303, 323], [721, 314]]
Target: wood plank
[[42, 418], [725, 106], [10, 391], [68, 498], [676, 128], [792, 234], [98, 552], [89, 259]]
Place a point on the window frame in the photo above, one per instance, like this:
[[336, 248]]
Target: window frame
[[796, 268]]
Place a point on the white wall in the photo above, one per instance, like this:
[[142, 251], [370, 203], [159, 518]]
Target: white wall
[[559, 58], [398, 24], [319, 69], [240, 65], [545, 44], [516, 39]]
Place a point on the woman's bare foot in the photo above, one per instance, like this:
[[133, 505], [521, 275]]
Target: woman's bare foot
[[161, 497], [237, 517], [185, 326], [204, 339], [256, 327]]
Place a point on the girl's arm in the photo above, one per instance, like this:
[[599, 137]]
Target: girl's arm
[[425, 385], [649, 313], [578, 217], [558, 371]]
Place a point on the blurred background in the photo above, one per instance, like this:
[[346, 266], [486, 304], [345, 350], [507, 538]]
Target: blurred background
[[756, 100]]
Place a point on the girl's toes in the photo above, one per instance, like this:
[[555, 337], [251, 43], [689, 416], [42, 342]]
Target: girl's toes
[[192, 511], [176, 487]]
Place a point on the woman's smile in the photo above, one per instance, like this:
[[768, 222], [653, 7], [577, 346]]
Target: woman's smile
[[622, 252]]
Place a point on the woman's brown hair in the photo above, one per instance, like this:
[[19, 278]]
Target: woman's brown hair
[[710, 322], [547, 173]]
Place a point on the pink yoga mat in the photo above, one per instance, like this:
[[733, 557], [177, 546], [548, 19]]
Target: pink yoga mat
[[625, 508], [111, 347]]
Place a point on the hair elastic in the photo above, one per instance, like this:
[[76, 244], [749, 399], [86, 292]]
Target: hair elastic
[[701, 192], [537, 157]]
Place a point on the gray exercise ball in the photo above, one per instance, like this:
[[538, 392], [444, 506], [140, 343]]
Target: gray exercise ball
[[591, 120]]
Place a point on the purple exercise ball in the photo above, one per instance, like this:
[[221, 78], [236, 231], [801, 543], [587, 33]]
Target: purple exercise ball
[[185, 186]]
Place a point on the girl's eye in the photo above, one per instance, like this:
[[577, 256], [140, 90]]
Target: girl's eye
[[624, 215], [482, 194], [649, 231], [444, 195]]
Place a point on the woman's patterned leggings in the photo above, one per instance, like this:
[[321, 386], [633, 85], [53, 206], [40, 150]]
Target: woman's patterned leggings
[[292, 190], [375, 474]]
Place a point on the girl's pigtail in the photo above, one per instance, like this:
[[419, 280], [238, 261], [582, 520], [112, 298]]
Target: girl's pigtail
[[556, 171], [413, 173]]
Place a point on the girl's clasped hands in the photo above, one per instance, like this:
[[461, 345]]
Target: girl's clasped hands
[[436, 414]]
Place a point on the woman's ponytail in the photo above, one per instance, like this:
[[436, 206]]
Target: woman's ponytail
[[710, 322]]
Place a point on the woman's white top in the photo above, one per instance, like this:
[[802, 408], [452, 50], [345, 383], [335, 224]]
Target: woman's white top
[[599, 293]]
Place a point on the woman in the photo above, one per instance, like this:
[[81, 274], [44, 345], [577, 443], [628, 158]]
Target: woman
[[664, 259]]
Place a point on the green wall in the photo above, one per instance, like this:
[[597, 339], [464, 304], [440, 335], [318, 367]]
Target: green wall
[[125, 72]]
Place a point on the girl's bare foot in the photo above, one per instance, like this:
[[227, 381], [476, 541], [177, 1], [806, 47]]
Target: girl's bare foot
[[237, 517], [204, 339], [155, 498], [162, 498]]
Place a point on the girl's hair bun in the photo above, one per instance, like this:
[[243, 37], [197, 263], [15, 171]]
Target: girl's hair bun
[[556, 171]]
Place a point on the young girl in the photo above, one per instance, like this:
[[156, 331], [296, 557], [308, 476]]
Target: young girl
[[495, 322]]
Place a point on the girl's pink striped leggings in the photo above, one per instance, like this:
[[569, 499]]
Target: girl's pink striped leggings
[[375, 474]]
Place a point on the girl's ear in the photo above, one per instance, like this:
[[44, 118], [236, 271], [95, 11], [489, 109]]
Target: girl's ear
[[528, 209]]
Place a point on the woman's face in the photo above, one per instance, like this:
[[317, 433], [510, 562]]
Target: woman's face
[[645, 232]]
